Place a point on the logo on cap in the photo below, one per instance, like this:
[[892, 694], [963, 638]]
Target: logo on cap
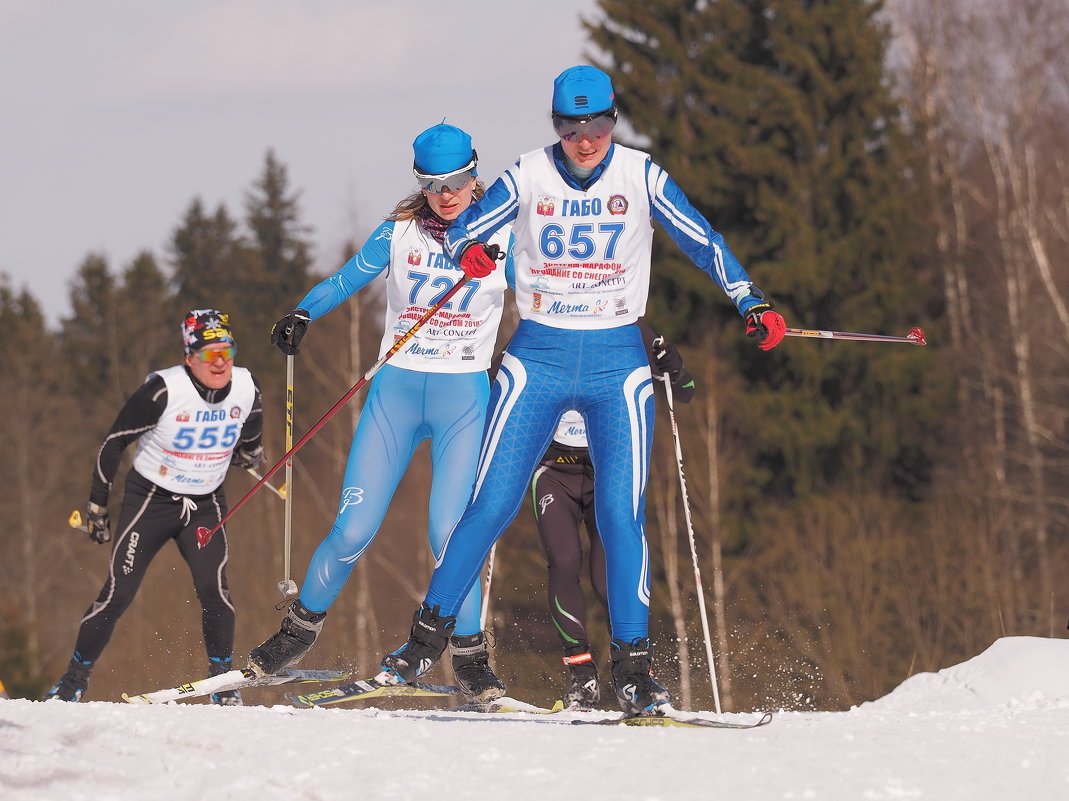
[[582, 90], [205, 327]]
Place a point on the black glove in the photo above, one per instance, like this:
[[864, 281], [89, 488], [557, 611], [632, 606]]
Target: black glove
[[248, 459], [97, 523], [666, 357], [288, 332]]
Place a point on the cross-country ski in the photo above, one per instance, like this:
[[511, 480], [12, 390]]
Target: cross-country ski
[[231, 680]]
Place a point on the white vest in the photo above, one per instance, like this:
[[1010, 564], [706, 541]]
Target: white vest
[[461, 337], [583, 258], [189, 449], [571, 430]]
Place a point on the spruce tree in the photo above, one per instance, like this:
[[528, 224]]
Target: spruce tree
[[207, 253], [44, 471], [145, 296], [281, 252], [92, 338], [776, 118], [273, 215]]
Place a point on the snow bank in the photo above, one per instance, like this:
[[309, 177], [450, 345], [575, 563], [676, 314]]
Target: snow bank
[[1015, 672], [991, 729]]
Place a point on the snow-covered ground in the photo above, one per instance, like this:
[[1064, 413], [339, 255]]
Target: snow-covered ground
[[995, 727]]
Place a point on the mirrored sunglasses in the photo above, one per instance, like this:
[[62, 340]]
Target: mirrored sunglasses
[[592, 126], [208, 355], [449, 182]]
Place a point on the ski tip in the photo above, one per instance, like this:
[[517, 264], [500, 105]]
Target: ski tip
[[558, 706], [135, 699], [299, 700]]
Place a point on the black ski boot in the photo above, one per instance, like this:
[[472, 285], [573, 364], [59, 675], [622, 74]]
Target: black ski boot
[[428, 638], [72, 683], [637, 692], [584, 692], [471, 668], [217, 666], [289, 644]]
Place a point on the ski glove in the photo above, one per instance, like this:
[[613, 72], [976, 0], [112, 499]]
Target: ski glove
[[666, 357], [768, 326], [248, 459], [97, 523], [288, 332], [478, 259]]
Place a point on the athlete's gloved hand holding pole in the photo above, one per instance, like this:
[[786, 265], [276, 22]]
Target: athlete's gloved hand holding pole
[[97, 523], [248, 459], [478, 259], [288, 332], [666, 357], [767, 326]]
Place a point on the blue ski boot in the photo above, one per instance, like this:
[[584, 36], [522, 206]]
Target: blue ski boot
[[426, 642]]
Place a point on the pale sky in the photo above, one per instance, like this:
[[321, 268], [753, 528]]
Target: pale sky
[[116, 114]]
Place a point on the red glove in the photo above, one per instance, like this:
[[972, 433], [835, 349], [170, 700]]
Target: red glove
[[479, 259], [768, 326]]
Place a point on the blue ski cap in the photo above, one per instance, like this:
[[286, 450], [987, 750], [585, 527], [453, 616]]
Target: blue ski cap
[[442, 149], [582, 90]]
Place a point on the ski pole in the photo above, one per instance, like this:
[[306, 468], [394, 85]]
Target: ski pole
[[288, 586], [204, 535], [693, 548], [279, 491], [484, 612], [914, 337]]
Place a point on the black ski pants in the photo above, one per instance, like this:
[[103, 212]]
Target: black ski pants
[[150, 518], [562, 489]]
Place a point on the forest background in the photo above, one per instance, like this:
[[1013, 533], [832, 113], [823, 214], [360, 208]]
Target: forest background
[[861, 511]]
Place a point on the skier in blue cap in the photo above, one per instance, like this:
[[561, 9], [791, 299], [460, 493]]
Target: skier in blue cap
[[435, 388], [582, 212]]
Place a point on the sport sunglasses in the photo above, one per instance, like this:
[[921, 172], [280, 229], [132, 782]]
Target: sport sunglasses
[[592, 126], [208, 356], [448, 182]]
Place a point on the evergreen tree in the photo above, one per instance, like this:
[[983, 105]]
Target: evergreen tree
[[776, 118], [273, 215], [281, 254], [121, 328], [43, 411], [93, 337], [145, 295], [210, 259]]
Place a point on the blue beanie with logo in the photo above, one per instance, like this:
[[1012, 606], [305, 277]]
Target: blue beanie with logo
[[442, 149], [582, 90]]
